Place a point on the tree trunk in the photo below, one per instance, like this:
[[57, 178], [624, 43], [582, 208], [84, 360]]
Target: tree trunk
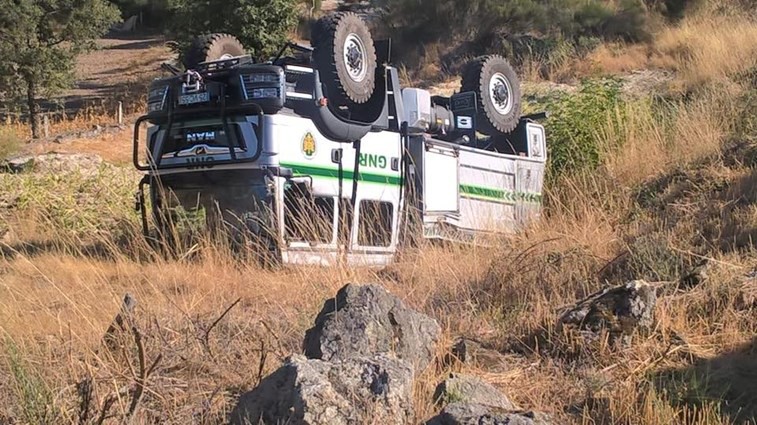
[[31, 91]]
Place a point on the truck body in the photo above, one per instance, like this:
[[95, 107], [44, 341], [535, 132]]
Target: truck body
[[258, 148]]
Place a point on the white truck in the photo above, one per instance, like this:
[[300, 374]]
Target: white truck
[[322, 157]]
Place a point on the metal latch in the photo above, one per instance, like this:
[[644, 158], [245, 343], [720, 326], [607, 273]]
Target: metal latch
[[139, 201]]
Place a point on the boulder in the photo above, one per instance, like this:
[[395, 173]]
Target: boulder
[[363, 320], [477, 414], [306, 391], [620, 310], [471, 390]]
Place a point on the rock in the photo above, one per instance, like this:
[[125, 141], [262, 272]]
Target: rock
[[472, 352], [363, 320], [747, 295], [53, 163], [620, 310], [696, 277], [469, 389], [466, 350], [476, 414], [306, 391]]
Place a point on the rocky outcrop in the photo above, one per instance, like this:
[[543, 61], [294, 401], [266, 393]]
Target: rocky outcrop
[[365, 320], [621, 311], [361, 359], [471, 390], [306, 391], [477, 414]]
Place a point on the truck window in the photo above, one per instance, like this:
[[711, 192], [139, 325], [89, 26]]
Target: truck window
[[308, 218], [375, 223]]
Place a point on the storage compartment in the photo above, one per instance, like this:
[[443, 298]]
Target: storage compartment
[[417, 104]]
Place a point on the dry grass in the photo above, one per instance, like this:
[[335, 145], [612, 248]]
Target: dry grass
[[652, 140], [616, 59], [61, 283], [676, 185], [709, 47]]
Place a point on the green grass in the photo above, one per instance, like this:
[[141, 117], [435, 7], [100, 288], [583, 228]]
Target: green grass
[[33, 397], [10, 143]]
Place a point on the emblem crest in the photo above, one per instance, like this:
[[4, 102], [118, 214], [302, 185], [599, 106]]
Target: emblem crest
[[308, 146]]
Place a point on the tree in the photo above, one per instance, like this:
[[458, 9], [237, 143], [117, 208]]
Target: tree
[[263, 26], [39, 42]]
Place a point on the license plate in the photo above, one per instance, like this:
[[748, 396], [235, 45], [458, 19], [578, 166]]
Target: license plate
[[189, 99]]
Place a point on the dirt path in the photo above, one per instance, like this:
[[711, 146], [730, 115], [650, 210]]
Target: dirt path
[[117, 71]]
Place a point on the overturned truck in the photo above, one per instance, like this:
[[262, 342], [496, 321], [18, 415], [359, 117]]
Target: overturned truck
[[319, 155]]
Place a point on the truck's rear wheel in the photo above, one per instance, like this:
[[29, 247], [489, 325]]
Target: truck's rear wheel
[[211, 47], [497, 88], [345, 56]]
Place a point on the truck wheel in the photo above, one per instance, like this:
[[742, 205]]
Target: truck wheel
[[211, 47], [497, 89], [345, 56]]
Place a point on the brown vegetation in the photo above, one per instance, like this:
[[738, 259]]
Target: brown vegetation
[[671, 191]]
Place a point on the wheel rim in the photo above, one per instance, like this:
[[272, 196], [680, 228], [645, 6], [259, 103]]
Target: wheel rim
[[501, 93], [355, 58]]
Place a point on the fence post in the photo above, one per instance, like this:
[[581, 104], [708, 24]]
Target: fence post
[[46, 125], [120, 113]]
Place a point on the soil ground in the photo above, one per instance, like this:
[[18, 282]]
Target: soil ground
[[122, 64]]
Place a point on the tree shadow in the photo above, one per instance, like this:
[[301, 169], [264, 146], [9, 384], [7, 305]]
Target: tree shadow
[[125, 245], [99, 251], [728, 380], [139, 43]]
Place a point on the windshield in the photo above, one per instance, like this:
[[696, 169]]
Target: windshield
[[240, 133], [239, 199]]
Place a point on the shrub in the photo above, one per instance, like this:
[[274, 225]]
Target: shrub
[[575, 123], [263, 26], [485, 23], [9, 143]]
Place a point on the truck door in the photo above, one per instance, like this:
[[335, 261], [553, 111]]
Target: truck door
[[530, 175], [441, 179]]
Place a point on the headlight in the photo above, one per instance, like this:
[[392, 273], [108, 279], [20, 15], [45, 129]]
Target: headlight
[[156, 99]]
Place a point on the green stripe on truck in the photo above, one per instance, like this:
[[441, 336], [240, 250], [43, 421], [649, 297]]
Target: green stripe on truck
[[466, 190], [498, 195], [333, 173]]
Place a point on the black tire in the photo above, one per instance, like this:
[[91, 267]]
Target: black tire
[[350, 80], [211, 47], [498, 111]]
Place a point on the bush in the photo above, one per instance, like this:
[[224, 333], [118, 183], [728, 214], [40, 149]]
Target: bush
[[482, 26], [626, 22], [154, 13], [575, 123], [10, 143], [263, 26]]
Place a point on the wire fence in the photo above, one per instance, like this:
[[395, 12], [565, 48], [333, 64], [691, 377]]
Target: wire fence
[[114, 114]]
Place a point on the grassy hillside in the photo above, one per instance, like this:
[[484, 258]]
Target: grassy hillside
[[651, 177]]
